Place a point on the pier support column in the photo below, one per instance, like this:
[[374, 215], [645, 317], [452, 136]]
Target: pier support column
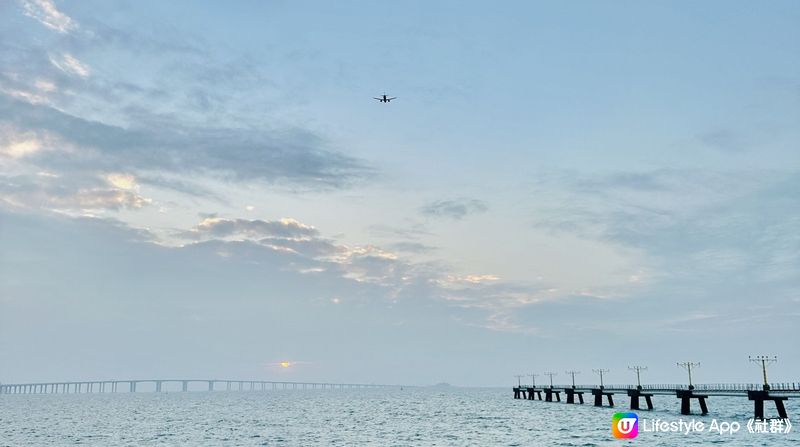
[[598, 394], [686, 397], [185, 386], [758, 398], [210, 385], [571, 393], [549, 392], [636, 394], [533, 392]]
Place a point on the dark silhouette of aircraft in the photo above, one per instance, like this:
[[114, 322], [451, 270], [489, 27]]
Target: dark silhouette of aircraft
[[384, 98]]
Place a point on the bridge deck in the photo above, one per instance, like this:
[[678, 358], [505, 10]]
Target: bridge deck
[[131, 385]]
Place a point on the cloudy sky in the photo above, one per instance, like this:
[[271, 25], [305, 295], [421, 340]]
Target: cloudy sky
[[208, 189]]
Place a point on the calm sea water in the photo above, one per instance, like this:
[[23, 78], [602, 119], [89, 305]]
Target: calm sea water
[[411, 417]]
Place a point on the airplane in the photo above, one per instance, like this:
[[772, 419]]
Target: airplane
[[384, 98]]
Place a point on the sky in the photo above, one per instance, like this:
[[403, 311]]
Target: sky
[[208, 189]]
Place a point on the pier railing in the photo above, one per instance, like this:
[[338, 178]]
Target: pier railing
[[788, 387]]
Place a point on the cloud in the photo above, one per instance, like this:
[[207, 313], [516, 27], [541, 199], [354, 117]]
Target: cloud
[[294, 157], [455, 209], [51, 192], [412, 247], [412, 231], [698, 228], [71, 65], [17, 144], [47, 14], [215, 227]]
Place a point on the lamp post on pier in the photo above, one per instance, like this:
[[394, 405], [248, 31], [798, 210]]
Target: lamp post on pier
[[764, 360], [688, 367], [600, 371], [638, 370]]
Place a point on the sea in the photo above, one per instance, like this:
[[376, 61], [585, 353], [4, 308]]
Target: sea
[[448, 416]]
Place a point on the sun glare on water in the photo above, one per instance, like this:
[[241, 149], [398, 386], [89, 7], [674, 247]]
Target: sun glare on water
[[285, 364]]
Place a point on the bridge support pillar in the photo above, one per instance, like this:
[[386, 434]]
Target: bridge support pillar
[[185, 386], [758, 398], [533, 392], [636, 394], [210, 385], [598, 394], [686, 397], [571, 393], [549, 392]]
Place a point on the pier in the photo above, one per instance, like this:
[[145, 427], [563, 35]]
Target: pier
[[758, 393], [775, 392], [172, 385]]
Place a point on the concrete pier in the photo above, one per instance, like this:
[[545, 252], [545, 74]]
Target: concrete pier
[[686, 397], [571, 393], [758, 398], [550, 392], [534, 392], [635, 394], [598, 394]]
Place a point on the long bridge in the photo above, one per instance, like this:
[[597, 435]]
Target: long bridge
[[758, 393], [161, 385]]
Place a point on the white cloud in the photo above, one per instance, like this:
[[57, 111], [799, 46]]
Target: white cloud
[[122, 181], [19, 149], [47, 14], [71, 65], [73, 195], [45, 85], [17, 144]]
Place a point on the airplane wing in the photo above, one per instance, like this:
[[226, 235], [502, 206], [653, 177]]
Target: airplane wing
[[389, 99], [379, 99]]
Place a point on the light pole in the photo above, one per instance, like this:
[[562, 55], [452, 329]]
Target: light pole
[[688, 367], [638, 369], [533, 379], [551, 374], [572, 373], [764, 359], [519, 380], [601, 371]]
